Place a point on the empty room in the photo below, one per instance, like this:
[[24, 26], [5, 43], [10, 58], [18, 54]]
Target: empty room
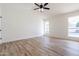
[[39, 29]]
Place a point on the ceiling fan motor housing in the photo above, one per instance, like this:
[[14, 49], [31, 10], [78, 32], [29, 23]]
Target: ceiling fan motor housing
[[41, 6]]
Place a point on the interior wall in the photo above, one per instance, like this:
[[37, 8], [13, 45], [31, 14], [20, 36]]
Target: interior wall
[[0, 22], [59, 25], [20, 22]]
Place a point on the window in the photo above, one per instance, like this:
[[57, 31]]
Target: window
[[73, 26]]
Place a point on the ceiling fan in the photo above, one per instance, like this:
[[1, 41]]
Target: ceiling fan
[[42, 6]]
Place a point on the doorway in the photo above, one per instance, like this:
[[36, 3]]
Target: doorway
[[46, 27]]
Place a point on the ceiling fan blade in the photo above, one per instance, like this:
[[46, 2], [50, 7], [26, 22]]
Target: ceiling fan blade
[[45, 4], [46, 8], [36, 8], [37, 4]]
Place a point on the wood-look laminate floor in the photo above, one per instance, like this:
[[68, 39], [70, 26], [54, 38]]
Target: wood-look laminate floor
[[40, 46]]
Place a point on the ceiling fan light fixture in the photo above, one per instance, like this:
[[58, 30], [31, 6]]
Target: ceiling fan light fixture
[[41, 10]]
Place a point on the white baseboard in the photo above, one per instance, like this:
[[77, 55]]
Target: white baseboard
[[71, 39], [22, 38]]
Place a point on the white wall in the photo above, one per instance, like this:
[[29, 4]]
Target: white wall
[[1, 32], [20, 22], [59, 25]]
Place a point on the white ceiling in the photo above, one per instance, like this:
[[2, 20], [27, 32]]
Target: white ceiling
[[59, 8], [55, 8]]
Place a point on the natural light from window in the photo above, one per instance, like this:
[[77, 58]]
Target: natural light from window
[[46, 27], [73, 26]]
